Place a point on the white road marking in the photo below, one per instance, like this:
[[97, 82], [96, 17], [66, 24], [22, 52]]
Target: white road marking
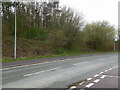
[[89, 79], [73, 87], [96, 75], [89, 85], [96, 81], [106, 70], [77, 64], [110, 69], [113, 76], [41, 71], [30, 65], [103, 76], [101, 72], [82, 83], [114, 67], [39, 63]]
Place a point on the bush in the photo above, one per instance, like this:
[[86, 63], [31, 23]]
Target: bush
[[35, 33], [56, 39]]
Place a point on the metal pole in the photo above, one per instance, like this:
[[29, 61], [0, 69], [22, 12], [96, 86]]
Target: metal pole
[[114, 45], [15, 34]]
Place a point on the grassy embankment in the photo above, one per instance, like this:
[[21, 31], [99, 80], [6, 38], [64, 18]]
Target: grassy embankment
[[34, 49]]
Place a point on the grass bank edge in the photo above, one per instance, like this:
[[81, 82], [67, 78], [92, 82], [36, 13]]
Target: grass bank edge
[[56, 55]]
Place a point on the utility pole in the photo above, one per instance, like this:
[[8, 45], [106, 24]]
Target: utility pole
[[15, 34], [114, 45]]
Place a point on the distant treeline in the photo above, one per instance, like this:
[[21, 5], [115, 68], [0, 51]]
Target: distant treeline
[[59, 27]]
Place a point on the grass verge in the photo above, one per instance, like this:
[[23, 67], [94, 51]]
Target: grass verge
[[56, 55]]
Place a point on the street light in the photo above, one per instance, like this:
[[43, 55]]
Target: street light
[[114, 44], [15, 34]]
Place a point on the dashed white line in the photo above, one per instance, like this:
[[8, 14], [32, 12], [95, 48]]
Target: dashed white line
[[103, 76], [96, 75], [30, 65], [77, 64], [96, 81], [110, 69], [82, 83], [73, 87], [89, 79], [106, 70], [89, 85], [114, 67], [101, 72], [38, 64], [41, 71], [113, 76]]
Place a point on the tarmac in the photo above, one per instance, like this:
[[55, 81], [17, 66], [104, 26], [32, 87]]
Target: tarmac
[[106, 80]]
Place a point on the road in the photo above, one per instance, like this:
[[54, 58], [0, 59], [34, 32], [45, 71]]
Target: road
[[57, 74], [107, 79]]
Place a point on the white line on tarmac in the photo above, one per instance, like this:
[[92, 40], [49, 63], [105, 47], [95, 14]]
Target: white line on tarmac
[[106, 70], [103, 76], [89, 79], [73, 87], [96, 75], [113, 76], [110, 69], [101, 72], [82, 83], [77, 64], [42, 71], [96, 81], [89, 85], [40, 63], [29, 65]]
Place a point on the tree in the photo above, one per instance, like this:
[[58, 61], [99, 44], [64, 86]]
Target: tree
[[99, 35]]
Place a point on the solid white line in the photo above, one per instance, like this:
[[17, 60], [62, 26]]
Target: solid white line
[[96, 81], [89, 85], [41, 71], [96, 75], [73, 87], [89, 79]]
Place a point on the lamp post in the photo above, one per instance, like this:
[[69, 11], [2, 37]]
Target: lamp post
[[15, 34], [114, 45]]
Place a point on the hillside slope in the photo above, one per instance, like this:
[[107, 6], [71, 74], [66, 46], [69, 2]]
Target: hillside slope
[[25, 48]]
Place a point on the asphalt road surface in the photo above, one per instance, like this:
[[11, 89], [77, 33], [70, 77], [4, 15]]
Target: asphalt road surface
[[57, 74], [106, 79]]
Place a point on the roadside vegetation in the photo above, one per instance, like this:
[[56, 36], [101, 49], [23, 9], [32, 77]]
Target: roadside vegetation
[[46, 30]]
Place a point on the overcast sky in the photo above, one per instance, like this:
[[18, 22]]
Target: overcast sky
[[95, 10]]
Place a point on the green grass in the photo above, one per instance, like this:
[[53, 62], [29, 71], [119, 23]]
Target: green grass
[[56, 55]]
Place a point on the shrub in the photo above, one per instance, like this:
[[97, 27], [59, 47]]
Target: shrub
[[35, 33]]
